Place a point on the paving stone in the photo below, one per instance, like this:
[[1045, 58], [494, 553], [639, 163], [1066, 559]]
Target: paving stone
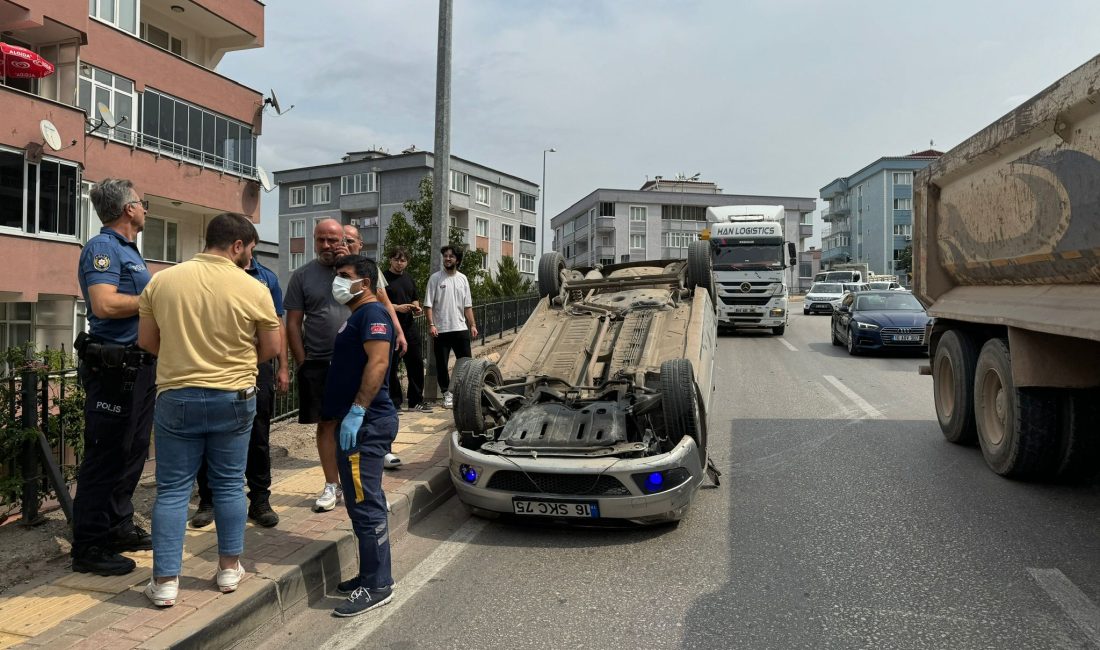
[[44, 607]]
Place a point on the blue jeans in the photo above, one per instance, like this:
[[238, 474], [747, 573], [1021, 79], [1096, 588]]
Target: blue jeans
[[361, 476], [192, 424]]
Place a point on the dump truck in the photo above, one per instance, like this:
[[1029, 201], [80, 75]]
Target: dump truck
[[1007, 261]]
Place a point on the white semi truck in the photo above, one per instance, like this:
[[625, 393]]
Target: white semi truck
[[750, 260]]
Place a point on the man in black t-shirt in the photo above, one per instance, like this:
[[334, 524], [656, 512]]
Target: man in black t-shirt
[[406, 302]]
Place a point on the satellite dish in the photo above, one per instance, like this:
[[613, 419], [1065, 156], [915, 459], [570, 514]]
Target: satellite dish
[[106, 115], [273, 102], [50, 134], [265, 179]]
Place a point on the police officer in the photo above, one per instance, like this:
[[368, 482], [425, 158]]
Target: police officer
[[119, 381]]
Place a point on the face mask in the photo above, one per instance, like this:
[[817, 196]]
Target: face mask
[[341, 290]]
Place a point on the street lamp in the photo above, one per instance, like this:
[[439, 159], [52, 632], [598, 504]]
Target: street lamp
[[542, 219]]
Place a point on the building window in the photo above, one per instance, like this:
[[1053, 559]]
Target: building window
[[460, 182], [322, 194], [903, 178], [481, 194], [507, 201], [298, 226], [358, 183], [484, 260], [526, 263], [903, 204], [62, 84], [116, 93], [678, 239], [568, 227], [42, 197], [527, 233], [16, 325], [297, 197], [903, 229], [297, 260], [156, 36], [683, 213], [637, 241], [506, 230], [607, 209], [160, 240], [120, 13], [638, 213], [527, 202], [182, 130], [481, 227]]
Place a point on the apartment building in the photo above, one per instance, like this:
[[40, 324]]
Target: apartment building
[[493, 210], [183, 133], [659, 221], [870, 213]]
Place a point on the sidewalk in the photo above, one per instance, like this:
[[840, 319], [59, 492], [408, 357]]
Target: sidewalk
[[288, 566]]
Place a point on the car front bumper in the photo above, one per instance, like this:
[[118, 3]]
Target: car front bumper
[[874, 341], [618, 496]]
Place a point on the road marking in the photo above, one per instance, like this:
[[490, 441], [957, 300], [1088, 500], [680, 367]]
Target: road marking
[[357, 630], [789, 346], [1082, 611], [863, 404]]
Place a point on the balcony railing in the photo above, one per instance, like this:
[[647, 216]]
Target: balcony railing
[[173, 150]]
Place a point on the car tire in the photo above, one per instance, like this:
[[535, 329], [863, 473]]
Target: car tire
[[805, 312], [953, 387], [680, 403], [471, 409], [852, 349], [1079, 442], [1017, 427], [700, 267], [550, 267]]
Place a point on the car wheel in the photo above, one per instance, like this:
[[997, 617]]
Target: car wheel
[[700, 267], [805, 312], [1017, 427], [550, 267], [472, 409], [680, 403], [953, 387], [852, 349]]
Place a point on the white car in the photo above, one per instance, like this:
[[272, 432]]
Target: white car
[[820, 298], [882, 286]]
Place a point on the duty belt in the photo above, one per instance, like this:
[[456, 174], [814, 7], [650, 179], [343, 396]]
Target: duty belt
[[111, 355]]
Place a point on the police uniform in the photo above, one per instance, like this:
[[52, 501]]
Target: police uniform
[[119, 382]]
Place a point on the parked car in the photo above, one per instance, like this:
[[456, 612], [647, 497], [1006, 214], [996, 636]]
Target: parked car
[[821, 296], [598, 408], [880, 320]]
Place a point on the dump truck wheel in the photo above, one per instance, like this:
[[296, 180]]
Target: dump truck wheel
[[679, 399], [701, 267], [1079, 449], [1017, 427], [953, 387], [550, 267], [778, 331], [471, 414]]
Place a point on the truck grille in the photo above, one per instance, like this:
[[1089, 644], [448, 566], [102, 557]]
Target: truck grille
[[579, 484], [752, 300], [890, 335]]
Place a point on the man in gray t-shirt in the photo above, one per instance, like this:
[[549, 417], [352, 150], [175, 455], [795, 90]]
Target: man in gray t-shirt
[[313, 317], [449, 310]]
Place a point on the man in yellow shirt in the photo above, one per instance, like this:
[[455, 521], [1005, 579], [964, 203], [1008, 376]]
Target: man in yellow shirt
[[209, 324]]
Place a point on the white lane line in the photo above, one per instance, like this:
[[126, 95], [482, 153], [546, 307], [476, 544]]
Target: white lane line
[[789, 346], [1082, 611], [863, 404], [357, 630]]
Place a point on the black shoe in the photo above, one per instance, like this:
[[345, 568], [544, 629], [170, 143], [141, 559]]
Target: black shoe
[[363, 600], [351, 584], [136, 539], [204, 516], [261, 513], [101, 562]]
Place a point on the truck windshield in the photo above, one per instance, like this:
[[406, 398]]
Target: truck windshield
[[840, 276], [729, 256]]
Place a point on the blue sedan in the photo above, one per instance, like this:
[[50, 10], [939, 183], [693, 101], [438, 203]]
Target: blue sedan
[[880, 320]]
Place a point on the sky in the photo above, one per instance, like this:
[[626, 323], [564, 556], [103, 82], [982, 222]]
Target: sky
[[774, 97]]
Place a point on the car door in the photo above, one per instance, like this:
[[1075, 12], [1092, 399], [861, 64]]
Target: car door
[[845, 316]]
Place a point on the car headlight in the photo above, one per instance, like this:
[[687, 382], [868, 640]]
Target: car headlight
[[469, 473], [866, 326], [654, 482]]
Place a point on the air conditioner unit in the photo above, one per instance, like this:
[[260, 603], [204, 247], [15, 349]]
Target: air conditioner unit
[[354, 222], [908, 238]]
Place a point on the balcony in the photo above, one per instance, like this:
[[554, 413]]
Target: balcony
[[41, 21], [202, 31], [837, 254], [605, 223], [805, 230]]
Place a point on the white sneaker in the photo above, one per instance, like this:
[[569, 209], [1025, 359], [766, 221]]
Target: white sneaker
[[391, 461], [228, 579], [327, 499], [448, 400], [163, 594]]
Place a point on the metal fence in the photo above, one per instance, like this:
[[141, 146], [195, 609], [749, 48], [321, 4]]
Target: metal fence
[[494, 320]]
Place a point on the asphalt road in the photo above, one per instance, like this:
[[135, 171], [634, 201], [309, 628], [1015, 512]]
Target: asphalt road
[[844, 520]]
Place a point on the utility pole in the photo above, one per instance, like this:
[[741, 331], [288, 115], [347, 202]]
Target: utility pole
[[542, 199], [441, 172]]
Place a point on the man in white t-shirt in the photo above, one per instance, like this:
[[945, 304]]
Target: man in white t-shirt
[[449, 308]]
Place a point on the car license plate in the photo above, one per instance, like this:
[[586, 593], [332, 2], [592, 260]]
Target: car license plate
[[583, 510], [907, 337]]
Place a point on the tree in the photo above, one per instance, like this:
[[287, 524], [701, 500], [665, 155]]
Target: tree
[[905, 261], [508, 281], [412, 229]]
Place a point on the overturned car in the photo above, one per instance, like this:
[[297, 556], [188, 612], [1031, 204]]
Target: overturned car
[[598, 409]]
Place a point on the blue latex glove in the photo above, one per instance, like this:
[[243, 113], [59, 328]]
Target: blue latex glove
[[349, 428]]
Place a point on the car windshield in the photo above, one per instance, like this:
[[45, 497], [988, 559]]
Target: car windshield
[[882, 302], [823, 287]]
